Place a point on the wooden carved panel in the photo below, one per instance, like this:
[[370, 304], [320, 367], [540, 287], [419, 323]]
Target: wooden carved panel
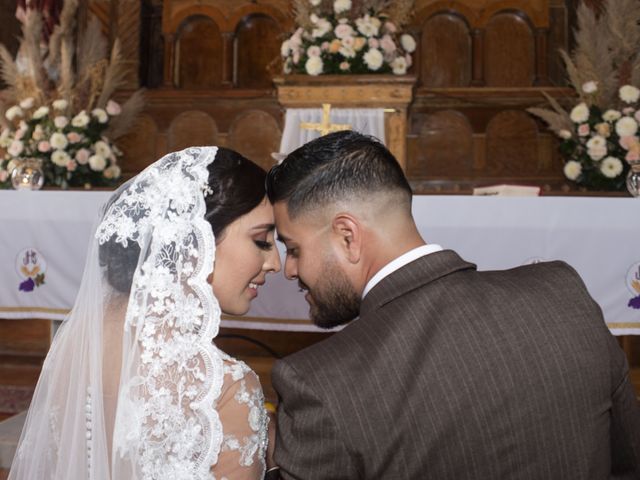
[[258, 40], [509, 55], [445, 50], [140, 144], [444, 146], [255, 134], [191, 128], [198, 54], [512, 145]]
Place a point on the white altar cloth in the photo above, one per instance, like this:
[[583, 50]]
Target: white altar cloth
[[597, 236]]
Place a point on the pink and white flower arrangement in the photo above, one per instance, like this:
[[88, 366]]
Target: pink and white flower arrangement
[[345, 37], [72, 148], [599, 145]]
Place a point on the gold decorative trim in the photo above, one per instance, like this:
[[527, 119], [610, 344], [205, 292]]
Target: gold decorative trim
[[58, 311]]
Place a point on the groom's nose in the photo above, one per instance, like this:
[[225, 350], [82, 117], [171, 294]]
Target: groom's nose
[[290, 269]]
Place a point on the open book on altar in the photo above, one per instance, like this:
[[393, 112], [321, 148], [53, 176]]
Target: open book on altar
[[508, 191]]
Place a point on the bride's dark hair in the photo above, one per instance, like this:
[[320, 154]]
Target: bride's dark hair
[[237, 187]]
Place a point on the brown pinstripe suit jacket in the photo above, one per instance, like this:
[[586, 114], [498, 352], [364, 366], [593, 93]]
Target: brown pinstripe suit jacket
[[450, 373]]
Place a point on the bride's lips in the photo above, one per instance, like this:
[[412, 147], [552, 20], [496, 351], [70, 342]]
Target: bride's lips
[[253, 288]]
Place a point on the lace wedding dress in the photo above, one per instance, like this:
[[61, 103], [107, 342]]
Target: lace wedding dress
[[133, 387]]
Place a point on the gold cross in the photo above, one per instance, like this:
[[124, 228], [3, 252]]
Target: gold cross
[[325, 126]]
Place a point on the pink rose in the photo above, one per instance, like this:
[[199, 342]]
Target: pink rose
[[71, 165], [113, 108], [343, 31], [74, 137], [637, 115], [387, 44], [44, 146], [628, 110], [82, 156], [407, 58], [390, 27], [373, 42], [4, 175], [19, 134], [324, 46], [583, 130], [632, 156], [627, 142]]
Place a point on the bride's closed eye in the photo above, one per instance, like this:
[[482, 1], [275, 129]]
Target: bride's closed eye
[[263, 244]]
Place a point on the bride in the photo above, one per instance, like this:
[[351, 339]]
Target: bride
[[133, 387]]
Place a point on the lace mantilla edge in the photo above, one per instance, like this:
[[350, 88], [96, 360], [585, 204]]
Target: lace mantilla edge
[[165, 424]]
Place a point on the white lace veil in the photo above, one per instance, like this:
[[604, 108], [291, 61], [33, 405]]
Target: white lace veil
[[128, 388]]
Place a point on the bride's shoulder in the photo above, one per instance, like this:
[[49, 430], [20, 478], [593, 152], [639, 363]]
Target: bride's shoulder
[[236, 372]]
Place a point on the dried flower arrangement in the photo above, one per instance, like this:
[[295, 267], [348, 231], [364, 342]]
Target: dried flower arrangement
[[58, 108], [600, 142]]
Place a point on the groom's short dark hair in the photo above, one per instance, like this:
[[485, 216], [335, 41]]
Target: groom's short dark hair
[[339, 166]]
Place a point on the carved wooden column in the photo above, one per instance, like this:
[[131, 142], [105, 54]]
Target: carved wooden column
[[392, 92], [227, 58], [129, 17], [477, 75], [542, 72], [169, 60]]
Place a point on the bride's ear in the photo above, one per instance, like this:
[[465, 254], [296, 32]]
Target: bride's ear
[[347, 230]]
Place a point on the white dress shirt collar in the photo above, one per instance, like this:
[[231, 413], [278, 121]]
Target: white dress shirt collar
[[398, 263]]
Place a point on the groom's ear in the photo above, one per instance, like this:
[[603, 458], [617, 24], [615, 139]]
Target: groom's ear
[[347, 229]]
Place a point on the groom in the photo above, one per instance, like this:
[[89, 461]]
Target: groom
[[448, 373]]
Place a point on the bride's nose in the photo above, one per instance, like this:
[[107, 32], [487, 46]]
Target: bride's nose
[[272, 262]]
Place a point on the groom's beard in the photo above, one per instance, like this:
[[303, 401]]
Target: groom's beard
[[333, 300]]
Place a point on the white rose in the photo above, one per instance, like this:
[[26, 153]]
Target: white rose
[[323, 26], [580, 113], [611, 115], [102, 149], [408, 43], [315, 3], [313, 51], [629, 94], [60, 158], [597, 153], [97, 163], [59, 141], [61, 122], [60, 104], [368, 26], [564, 134], [572, 170], [340, 6], [80, 120], [13, 112], [611, 167], [373, 59], [15, 148], [314, 66], [399, 66], [100, 115], [40, 112], [27, 103], [626, 127], [596, 141], [590, 87]]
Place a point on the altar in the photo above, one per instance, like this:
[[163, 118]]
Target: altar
[[44, 237]]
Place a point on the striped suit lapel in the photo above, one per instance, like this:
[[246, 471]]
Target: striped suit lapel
[[413, 275]]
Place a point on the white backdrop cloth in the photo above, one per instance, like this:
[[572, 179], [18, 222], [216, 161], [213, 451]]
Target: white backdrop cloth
[[369, 121], [597, 236]]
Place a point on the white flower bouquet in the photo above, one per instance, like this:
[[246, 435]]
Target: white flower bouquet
[[72, 149], [599, 134], [58, 109], [336, 37]]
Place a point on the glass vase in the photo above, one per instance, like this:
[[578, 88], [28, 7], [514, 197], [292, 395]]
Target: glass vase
[[28, 175]]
